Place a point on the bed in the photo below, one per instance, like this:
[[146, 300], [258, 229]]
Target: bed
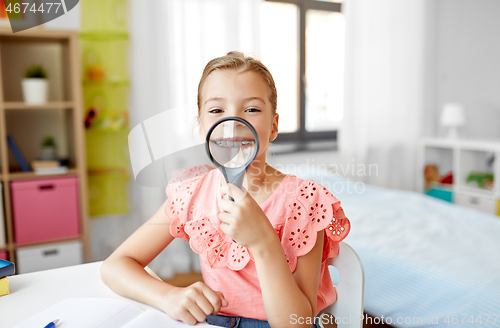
[[427, 262]]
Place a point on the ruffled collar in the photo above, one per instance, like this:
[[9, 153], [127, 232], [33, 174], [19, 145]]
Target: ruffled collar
[[311, 209]]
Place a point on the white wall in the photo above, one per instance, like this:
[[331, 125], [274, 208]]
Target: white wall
[[466, 50]]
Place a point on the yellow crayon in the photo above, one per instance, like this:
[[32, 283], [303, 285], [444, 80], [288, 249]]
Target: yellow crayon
[[4, 286]]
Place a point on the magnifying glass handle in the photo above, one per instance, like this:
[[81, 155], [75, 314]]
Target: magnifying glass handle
[[235, 176]]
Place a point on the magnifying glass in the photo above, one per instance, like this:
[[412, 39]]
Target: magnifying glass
[[232, 144]]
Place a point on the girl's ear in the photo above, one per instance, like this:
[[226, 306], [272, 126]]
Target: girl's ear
[[198, 131], [274, 131]]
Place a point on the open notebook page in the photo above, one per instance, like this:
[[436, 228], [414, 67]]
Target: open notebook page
[[86, 313], [101, 313]]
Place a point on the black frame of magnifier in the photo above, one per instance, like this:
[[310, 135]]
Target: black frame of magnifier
[[232, 174]]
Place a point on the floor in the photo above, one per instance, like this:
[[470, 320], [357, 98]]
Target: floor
[[186, 279]]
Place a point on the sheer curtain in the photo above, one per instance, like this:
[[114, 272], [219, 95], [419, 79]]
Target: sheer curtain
[[171, 42], [384, 90]]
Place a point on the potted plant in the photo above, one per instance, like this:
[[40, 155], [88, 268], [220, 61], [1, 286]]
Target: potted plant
[[35, 85], [48, 149]]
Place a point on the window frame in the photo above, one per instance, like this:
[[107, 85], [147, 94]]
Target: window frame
[[302, 137]]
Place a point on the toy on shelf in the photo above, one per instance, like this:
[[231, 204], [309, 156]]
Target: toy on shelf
[[96, 73], [106, 120], [91, 115], [432, 176], [484, 180]]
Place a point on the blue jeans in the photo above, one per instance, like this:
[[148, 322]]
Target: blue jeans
[[238, 322]]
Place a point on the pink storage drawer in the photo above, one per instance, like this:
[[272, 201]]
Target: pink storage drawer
[[3, 255], [45, 209]]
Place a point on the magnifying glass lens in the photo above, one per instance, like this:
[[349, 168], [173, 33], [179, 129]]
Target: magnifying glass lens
[[232, 144]]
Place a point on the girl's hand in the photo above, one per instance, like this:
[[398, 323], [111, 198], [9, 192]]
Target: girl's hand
[[243, 220], [193, 303]]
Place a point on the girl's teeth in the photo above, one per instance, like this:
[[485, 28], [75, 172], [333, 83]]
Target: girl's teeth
[[229, 143]]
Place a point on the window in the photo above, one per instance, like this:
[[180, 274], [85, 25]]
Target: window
[[305, 38]]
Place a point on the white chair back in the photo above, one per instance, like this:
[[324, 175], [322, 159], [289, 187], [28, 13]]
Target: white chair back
[[348, 309], [152, 273]]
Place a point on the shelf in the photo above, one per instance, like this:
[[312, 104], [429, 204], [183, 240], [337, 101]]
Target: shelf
[[59, 52], [480, 145], [36, 35], [49, 241], [463, 156], [8, 247], [440, 143], [104, 35], [31, 175], [472, 191], [19, 105], [472, 144], [106, 82]]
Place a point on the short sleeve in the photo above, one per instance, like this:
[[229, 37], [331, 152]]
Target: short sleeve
[[188, 173], [181, 189], [313, 209]]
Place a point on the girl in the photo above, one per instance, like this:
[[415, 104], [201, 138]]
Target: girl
[[263, 255]]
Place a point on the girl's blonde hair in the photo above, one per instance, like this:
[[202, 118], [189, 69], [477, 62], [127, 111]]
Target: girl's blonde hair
[[237, 60]]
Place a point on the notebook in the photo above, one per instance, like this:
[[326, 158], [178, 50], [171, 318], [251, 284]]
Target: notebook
[[103, 313], [6, 268]]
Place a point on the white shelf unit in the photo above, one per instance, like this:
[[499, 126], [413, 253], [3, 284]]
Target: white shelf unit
[[462, 156]]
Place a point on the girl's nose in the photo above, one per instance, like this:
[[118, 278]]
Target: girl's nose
[[230, 112]]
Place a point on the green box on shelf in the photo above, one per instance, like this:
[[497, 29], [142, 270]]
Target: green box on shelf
[[105, 96], [108, 15], [107, 149], [441, 192], [108, 193], [104, 56]]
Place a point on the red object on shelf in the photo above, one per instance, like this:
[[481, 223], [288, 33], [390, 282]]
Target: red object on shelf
[[3, 255], [447, 178], [45, 209]]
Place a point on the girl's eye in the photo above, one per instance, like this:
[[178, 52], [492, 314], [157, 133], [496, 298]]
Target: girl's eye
[[253, 109], [215, 111]]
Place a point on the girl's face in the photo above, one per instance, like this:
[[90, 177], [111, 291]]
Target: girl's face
[[243, 94]]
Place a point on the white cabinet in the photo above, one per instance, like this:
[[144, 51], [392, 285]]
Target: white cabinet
[[48, 256], [470, 161], [485, 204]]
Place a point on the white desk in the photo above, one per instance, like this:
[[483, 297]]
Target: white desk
[[32, 293]]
